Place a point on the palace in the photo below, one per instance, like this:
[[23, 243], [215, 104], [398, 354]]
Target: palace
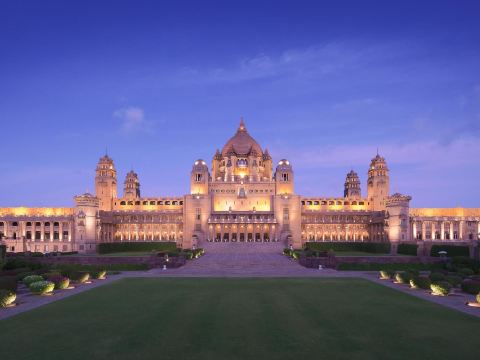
[[241, 198]]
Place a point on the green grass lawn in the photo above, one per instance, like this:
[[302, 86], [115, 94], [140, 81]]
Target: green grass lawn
[[240, 319], [129, 253]]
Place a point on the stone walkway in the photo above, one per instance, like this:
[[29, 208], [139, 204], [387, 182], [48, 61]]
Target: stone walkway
[[260, 264]]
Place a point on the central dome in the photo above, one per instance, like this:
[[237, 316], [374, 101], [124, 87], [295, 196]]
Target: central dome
[[241, 143]]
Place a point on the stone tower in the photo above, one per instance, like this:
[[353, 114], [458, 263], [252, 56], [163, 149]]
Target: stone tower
[[131, 189], [199, 178], [87, 223], [352, 186], [378, 183], [397, 207], [284, 178], [106, 183]]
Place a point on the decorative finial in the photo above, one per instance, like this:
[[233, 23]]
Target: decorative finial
[[106, 151], [242, 125], [377, 150]]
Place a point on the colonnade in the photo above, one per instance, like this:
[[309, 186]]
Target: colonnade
[[242, 232], [444, 229]]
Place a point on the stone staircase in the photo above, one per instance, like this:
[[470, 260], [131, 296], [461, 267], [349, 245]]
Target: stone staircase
[[242, 260]]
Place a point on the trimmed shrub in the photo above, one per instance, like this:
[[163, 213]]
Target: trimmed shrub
[[287, 252], [436, 277], [61, 282], [106, 248], [368, 247], [31, 279], [79, 276], [8, 283], [454, 280], [198, 252], [407, 249], [470, 287], [420, 282], [403, 277], [99, 274], [441, 288], [452, 250], [296, 254], [42, 287], [7, 297], [23, 275], [478, 298], [466, 272], [386, 274]]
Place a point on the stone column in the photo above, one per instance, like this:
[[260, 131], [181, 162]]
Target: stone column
[[451, 230], [42, 231], [442, 230], [424, 230], [460, 230], [414, 225]]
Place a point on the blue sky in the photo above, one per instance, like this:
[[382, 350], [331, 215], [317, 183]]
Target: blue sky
[[161, 84]]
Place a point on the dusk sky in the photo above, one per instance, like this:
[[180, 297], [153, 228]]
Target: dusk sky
[[161, 84]]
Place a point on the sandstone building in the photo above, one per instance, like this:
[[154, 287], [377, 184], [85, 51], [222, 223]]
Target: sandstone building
[[244, 198]]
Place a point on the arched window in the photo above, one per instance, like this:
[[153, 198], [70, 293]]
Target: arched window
[[56, 224], [47, 224], [123, 203]]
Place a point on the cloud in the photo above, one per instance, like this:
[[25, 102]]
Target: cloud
[[418, 154], [133, 119]]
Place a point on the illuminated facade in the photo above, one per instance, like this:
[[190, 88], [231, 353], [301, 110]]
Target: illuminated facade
[[241, 198]]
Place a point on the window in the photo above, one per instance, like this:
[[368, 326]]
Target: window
[[47, 224], [284, 177], [198, 177], [38, 224], [137, 202], [28, 223], [65, 235], [123, 203], [285, 214], [56, 224], [197, 214], [152, 202], [167, 202], [145, 203]]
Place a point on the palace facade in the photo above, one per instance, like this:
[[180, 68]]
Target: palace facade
[[241, 198]]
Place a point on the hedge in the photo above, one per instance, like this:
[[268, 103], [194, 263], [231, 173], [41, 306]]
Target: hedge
[[368, 247], [470, 287], [454, 280], [437, 276], [3, 254], [407, 249], [8, 283], [452, 250], [386, 266], [106, 248]]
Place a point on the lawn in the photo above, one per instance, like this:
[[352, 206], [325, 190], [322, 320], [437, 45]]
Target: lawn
[[240, 319]]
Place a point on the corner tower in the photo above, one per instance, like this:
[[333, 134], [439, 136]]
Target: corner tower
[[378, 183], [199, 178], [131, 189], [284, 178], [106, 183], [352, 186]]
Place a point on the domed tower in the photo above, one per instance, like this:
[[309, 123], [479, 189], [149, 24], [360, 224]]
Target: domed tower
[[284, 178], [106, 183], [352, 186], [199, 178], [241, 159], [131, 189], [378, 183]]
